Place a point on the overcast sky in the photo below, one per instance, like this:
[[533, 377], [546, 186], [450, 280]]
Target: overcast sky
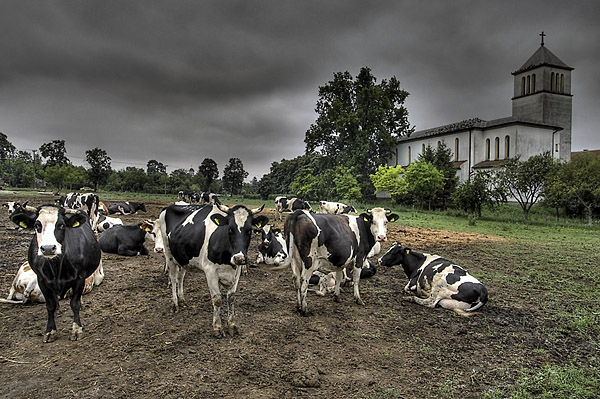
[[180, 81]]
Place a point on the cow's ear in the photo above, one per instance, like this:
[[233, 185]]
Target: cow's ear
[[23, 218], [260, 221], [407, 250], [75, 219], [218, 219], [257, 231], [366, 217], [392, 217], [276, 231]]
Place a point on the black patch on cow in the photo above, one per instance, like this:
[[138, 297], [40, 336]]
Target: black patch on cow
[[471, 293], [427, 274], [186, 241], [124, 240], [337, 237], [456, 275]]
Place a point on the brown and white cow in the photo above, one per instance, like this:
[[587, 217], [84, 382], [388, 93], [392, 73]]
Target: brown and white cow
[[435, 281], [332, 243]]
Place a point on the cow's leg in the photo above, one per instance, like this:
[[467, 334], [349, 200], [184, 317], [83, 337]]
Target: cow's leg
[[76, 307], [99, 274], [32, 285], [339, 277], [304, 281], [212, 279], [233, 328], [355, 281], [176, 280], [124, 251], [51, 307]]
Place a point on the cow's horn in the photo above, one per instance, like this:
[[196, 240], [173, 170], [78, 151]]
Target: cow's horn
[[29, 208], [222, 208], [258, 210]]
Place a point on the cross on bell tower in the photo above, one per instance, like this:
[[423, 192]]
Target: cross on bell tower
[[542, 35]]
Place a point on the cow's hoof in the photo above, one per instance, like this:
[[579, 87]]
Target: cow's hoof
[[360, 302], [233, 330], [336, 298], [50, 336], [76, 332], [218, 333]]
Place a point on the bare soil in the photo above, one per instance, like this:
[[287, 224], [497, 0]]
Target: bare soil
[[133, 346]]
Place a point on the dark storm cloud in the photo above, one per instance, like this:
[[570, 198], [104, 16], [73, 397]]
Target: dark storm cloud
[[181, 81]]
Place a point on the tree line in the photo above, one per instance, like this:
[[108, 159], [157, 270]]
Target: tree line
[[50, 166]]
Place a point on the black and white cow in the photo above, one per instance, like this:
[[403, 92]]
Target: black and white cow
[[63, 253], [272, 249], [436, 281], [335, 208], [285, 204], [126, 240], [126, 208], [194, 197], [323, 283], [106, 222], [210, 198], [88, 201], [214, 239], [181, 196], [332, 243], [10, 206]]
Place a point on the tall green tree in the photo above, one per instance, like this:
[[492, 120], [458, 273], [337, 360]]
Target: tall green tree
[[208, 168], [441, 158], [153, 167], [358, 123], [234, 175], [391, 180], [524, 181], [7, 149], [472, 194], [55, 153], [99, 162], [424, 182]]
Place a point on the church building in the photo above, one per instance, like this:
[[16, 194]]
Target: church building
[[541, 121]]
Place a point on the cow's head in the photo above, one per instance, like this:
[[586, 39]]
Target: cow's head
[[377, 219], [10, 206], [140, 207], [394, 256], [240, 221], [152, 228], [50, 223]]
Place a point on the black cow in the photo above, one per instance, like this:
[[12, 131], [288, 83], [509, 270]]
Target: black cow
[[126, 240], [214, 239], [126, 208], [283, 204], [331, 243], [436, 281], [272, 249], [63, 253], [88, 201], [210, 198]]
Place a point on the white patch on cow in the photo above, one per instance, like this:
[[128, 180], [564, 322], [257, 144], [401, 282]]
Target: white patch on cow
[[379, 224], [240, 216], [48, 216], [190, 218]]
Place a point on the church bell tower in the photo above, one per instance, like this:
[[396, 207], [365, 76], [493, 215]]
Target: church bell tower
[[542, 94]]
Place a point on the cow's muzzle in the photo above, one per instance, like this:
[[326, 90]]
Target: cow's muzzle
[[49, 251], [238, 259]]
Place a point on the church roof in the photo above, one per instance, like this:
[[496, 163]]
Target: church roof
[[473, 123], [542, 57]]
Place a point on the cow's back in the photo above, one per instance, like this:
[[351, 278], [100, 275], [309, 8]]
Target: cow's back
[[179, 224]]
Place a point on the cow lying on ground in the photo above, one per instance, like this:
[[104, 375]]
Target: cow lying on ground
[[436, 281], [324, 283], [214, 239], [332, 243], [25, 287], [10, 206], [126, 208], [272, 249], [126, 240], [63, 253], [106, 222], [285, 204], [335, 208]]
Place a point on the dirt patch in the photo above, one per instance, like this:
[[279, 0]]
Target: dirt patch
[[134, 347]]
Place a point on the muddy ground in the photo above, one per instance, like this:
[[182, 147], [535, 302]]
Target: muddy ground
[[134, 346]]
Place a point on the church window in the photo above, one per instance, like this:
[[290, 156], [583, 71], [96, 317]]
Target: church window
[[496, 148], [507, 147], [456, 149], [556, 83], [487, 149], [409, 154], [396, 156], [523, 86], [562, 82], [552, 81], [423, 148], [533, 83], [528, 84], [555, 147]]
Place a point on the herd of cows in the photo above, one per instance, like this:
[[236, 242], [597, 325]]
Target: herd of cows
[[323, 249]]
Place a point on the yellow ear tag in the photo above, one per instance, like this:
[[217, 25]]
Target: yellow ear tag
[[216, 221], [407, 251], [23, 225], [75, 224], [258, 226], [365, 219]]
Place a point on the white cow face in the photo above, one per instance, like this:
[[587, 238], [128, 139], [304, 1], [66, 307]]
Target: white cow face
[[379, 218]]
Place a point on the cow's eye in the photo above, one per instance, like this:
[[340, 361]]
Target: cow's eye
[[38, 226]]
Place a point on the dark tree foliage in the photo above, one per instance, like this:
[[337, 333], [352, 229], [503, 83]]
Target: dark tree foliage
[[281, 174], [208, 168], [473, 194], [233, 176], [7, 149], [153, 167], [441, 158], [358, 123], [100, 169], [55, 153]]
